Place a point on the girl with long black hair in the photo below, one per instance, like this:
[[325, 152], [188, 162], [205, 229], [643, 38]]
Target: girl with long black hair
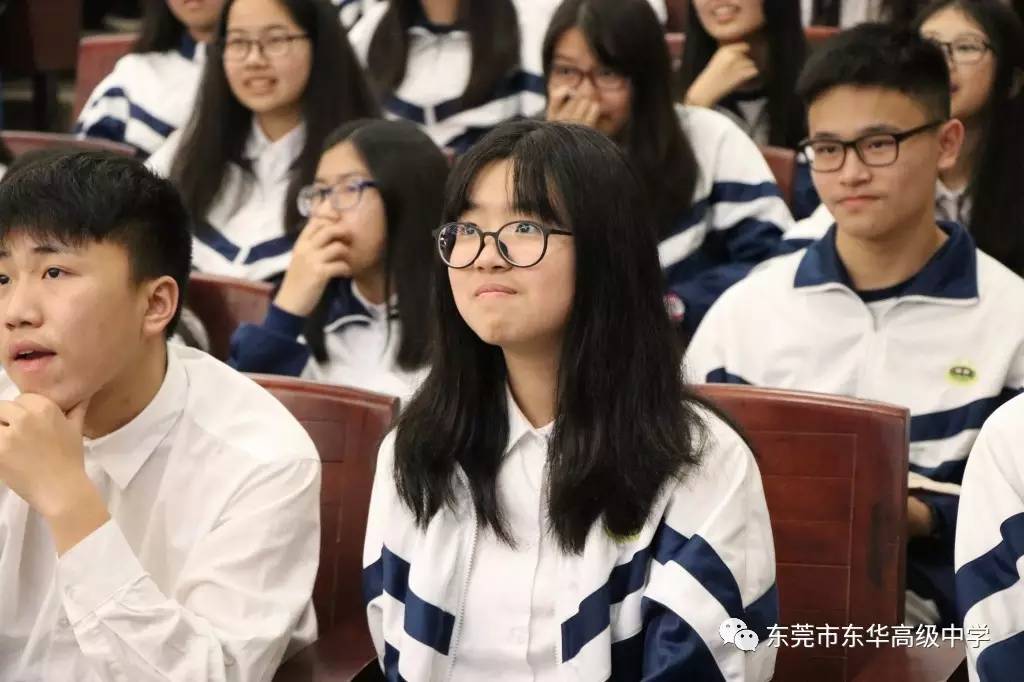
[[716, 208], [354, 306], [554, 502], [151, 91], [281, 77], [984, 45]]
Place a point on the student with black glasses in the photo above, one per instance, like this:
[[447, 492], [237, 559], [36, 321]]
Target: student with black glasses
[[890, 304]]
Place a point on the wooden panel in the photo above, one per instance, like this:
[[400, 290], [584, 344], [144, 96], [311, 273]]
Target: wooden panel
[[97, 56], [799, 498], [815, 453], [224, 303], [804, 542]]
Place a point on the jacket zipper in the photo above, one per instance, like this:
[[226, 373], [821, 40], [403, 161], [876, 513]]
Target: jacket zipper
[[457, 634]]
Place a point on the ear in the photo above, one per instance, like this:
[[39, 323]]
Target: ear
[[162, 296], [951, 139]]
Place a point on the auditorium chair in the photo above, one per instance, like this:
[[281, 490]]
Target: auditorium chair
[[782, 163], [23, 141], [96, 58], [224, 303], [347, 426], [835, 479]]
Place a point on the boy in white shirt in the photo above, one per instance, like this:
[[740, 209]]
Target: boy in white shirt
[[159, 512]]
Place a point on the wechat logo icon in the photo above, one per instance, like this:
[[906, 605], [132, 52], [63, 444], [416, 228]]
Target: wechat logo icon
[[734, 631]]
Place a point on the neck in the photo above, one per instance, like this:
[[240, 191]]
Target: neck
[[441, 12], [371, 286], [276, 124], [128, 395], [202, 34], [959, 176], [891, 259], [533, 378]]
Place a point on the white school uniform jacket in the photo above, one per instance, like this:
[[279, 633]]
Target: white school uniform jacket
[[243, 234], [145, 98], [360, 340], [736, 220], [643, 607], [205, 569], [990, 544], [948, 344], [851, 12], [438, 70]]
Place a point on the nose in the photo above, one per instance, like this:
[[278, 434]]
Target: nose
[[586, 85], [255, 56], [490, 258], [854, 171], [19, 306]]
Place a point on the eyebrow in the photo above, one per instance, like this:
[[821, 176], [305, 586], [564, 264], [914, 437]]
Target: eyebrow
[[340, 177], [257, 29], [45, 249], [870, 130]]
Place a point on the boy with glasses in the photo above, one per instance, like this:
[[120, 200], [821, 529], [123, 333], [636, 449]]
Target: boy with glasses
[[889, 305]]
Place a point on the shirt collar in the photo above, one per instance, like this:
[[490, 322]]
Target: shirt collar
[[519, 426], [123, 452], [190, 49], [290, 146], [950, 274]]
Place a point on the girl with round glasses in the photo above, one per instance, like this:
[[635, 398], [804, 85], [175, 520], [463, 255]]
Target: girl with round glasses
[[354, 305], [546, 504], [281, 77], [984, 45], [717, 211]]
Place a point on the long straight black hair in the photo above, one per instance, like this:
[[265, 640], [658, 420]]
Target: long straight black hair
[[787, 50], [996, 187], [5, 154], [161, 31], [493, 28], [409, 171], [625, 36], [625, 425], [216, 134]]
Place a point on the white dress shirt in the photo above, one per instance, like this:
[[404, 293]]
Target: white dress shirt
[[243, 233], [205, 570], [520, 582]]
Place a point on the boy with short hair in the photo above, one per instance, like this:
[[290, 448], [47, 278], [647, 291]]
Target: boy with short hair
[[888, 305], [159, 512]]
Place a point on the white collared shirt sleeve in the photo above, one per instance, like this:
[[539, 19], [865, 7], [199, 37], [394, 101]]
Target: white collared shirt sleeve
[[242, 592]]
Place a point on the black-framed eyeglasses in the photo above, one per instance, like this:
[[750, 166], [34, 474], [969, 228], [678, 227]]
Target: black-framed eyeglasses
[[875, 150], [237, 48], [963, 51], [521, 243], [602, 77], [342, 195]]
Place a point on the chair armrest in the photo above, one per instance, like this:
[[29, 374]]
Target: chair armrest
[[916, 664], [337, 656]]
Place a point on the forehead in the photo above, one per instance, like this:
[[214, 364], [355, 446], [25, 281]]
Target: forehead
[[258, 14], [491, 189], [849, 109], [21, 245], [572, 46], [341, 159], [950, 23]]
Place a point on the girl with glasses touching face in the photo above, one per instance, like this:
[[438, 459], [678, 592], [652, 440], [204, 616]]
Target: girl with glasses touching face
[[354, 306], [281, 78], [717, 210], [984, 45], [547, 500], [131, 105]]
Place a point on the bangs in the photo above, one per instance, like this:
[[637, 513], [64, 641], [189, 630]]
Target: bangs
[[535, 192]]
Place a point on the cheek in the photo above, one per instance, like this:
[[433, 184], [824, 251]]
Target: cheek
[[295, 74]]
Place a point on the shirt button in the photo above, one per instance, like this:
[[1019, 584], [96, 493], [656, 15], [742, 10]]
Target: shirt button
[[72, 593], [64, 622], [228, 660]]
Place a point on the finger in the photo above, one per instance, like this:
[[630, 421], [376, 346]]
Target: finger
[[76, 415], [332, 252], [10, 412], [35, 403], [593, 113], [740, 48], [337, 269]]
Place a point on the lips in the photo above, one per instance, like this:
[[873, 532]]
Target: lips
[[493, 290], [724, 13], [858, 200], [259, 85]]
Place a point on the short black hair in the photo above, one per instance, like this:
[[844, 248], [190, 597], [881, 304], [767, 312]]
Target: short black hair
[[78, 197], [878, 55]]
